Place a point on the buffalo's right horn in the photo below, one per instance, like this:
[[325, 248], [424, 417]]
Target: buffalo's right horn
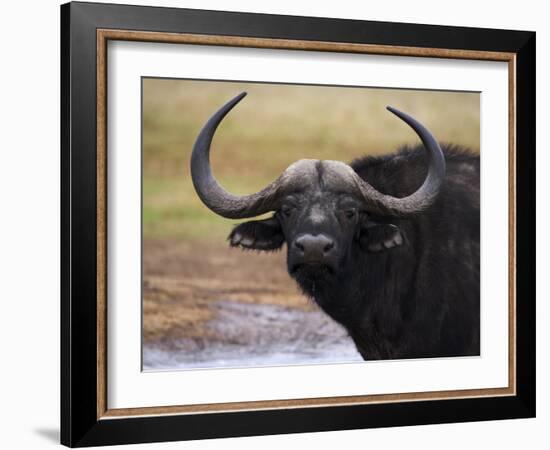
[[211, 193]]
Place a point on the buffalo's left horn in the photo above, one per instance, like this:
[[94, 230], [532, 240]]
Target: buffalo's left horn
[[211, 193], [426, 194]]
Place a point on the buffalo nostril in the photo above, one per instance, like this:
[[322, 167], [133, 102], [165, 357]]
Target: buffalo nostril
[[299, 246], [328, 247]]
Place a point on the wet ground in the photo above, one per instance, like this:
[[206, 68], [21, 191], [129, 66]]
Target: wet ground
[[210, 306], [256, 335]]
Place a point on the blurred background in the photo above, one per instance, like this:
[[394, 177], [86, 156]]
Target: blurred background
[[207, 305]]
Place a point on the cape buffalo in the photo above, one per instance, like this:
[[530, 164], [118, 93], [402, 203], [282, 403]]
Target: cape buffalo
[[387, 246]]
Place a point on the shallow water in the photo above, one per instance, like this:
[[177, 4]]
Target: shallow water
[[256, 335]]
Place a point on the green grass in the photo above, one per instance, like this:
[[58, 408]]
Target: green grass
[[273, 126]]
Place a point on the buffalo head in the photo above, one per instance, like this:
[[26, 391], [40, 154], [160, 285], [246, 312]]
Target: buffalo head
[[323, 210]]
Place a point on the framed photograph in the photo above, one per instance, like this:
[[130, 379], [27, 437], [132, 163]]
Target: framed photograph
[[277, 224]]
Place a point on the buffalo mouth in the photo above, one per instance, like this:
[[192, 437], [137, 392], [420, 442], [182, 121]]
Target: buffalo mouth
[[312, 270]]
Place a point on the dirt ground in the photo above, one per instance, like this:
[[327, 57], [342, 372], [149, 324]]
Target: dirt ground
[[180, 282], [206, 303]]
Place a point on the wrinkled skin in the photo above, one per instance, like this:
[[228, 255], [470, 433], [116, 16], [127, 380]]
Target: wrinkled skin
[[402, 287]]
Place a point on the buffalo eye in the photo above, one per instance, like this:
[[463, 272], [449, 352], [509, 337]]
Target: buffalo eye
[[287, 210], [350, 213]]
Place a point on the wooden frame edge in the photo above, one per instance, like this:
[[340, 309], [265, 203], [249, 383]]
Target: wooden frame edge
[[512, 200], [290, 44], [303, 403], [103, 35], [101, 225]]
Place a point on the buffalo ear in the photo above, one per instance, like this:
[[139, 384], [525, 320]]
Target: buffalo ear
[[258, 235], [378, 237]]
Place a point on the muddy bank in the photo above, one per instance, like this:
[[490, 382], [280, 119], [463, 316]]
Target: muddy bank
[[255, 335], [211, 306]]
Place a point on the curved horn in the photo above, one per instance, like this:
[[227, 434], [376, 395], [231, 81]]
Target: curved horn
[[210, 192], [426, 194]]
